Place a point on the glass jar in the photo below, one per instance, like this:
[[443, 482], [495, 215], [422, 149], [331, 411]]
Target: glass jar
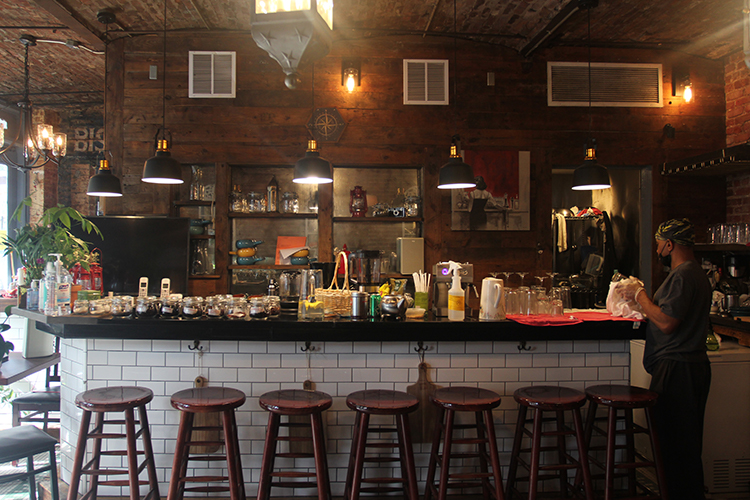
[[256, 202], [257, 308], [215, 307], [122, 306], [100, 306], [272, 195], [289, 202], [236, 200], [197, 189], [236, 308], [170, 307], [146, 307], [81, 306], [192, 307], [274, 305], [412, 206]]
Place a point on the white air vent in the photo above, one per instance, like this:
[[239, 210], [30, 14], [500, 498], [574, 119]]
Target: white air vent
[[212, 74], [426, 81], [612, 85]]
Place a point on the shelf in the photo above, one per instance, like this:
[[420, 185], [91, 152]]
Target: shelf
[[202, 236], [204, 276], [721, 247], [366, 220], [272, 215], [193, 203], [267, 266]]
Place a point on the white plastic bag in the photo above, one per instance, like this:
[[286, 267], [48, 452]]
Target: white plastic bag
[[617, 305]]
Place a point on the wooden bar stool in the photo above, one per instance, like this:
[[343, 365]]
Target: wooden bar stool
[[24, 442], [381, 402], [222, 400], [481, 402], [110, 400], [291, 402], [557, 400], [625, 398]]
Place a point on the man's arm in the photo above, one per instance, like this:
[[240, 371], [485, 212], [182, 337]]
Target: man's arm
[[663, 322]]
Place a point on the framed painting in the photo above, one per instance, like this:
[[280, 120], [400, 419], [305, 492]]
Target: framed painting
[[501, 201]]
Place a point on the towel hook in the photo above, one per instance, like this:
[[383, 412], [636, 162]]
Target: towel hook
[[307, 347], [196, 346]]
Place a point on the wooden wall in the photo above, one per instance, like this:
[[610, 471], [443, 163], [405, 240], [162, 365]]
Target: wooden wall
[[265, 123]]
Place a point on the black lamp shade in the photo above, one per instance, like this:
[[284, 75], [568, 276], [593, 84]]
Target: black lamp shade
[[456, 175], [104, 183], [312, 169], [590, 175], [162, 169]]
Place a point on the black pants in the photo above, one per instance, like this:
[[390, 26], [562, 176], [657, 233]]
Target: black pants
[[679, 412]]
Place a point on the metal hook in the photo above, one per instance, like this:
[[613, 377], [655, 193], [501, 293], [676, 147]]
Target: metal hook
[[522, 346], [307, 347], [420, 349], [196, 346]]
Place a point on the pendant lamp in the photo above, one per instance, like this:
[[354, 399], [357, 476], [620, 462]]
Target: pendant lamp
[[104, 182], [590, 175], [455, 174], [311, 168], [162, 168]]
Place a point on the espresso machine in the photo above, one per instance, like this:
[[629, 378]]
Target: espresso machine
[[441, 283], [365, 269]]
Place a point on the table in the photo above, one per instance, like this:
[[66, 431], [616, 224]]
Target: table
[[17, 367]]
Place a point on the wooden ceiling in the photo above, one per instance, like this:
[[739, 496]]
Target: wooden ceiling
[[61, 76]]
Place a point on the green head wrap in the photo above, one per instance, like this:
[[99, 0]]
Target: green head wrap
[[681, 231]]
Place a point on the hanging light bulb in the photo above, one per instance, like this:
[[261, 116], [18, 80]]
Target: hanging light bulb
[[351, 82], [687, 94]]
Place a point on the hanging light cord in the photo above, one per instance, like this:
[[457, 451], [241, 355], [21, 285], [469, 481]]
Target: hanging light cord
[[106, 70], [455, 68], [591, 115], [164, 80]]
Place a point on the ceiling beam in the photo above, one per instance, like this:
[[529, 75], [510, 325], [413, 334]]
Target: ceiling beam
[[61, 14], [542, 37]]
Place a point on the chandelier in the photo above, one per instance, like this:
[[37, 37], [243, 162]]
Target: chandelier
[[41, 145]]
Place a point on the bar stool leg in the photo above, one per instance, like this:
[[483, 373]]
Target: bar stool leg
[[75, 474], [630, 449], [494, 457], [536, 444], [583, 459], [53, 476], [31, 479], [609, 471], [321, 462], [232, 452], [269, 455], [352, 454], [358, 454], [179, 465], [482, 452], [97, 454], [512, 470], [561, 450], [238, 462], [148, 452], [135, 493], [445, 460], [434, 454], [656, 449], [407, 456]]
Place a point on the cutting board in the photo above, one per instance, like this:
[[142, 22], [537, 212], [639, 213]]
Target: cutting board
[[205, 420], [422, 421]]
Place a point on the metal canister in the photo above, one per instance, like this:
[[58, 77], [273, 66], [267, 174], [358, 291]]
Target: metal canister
[[359, 305], [375, 305]]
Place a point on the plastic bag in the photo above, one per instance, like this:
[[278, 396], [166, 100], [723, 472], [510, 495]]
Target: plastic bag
[[618, 305]]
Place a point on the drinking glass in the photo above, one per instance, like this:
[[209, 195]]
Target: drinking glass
[[310, 307], [556, 307]]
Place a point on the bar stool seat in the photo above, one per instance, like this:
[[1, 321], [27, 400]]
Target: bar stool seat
[[481, 402], [195, 400], [113, 400], [24, 442], [381, 402], [557, 400], [294, 402], [624, 399]]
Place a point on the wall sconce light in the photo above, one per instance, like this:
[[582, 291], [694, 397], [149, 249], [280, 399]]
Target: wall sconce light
[[681, 84], [351, 74]]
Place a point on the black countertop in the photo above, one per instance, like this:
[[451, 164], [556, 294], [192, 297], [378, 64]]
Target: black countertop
[[342, 330]]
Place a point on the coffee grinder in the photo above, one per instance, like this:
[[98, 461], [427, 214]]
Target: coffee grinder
[[441, 283], [365, 268]]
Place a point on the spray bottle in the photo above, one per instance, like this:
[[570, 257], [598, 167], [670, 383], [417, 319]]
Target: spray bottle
[[456, 295]]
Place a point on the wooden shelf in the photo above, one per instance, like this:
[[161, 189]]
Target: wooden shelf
[[204, 276], [202, 236], [271, 215], [267, 266], [366, 220], [193, 203], [721, 247]]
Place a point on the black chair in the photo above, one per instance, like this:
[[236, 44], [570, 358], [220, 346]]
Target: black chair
[[17, 443], [35, 407]]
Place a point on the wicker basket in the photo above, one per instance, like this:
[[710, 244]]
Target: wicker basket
[[337, 301]]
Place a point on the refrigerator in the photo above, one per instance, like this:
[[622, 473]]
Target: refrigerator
[[726, 434]]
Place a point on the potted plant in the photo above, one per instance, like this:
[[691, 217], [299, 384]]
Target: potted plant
[[5, 347], [33, 243]]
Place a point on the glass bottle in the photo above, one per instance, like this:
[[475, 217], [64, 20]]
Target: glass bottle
[[399, 200], [197, 189], [290, 202], [236, 199], [272, 195]]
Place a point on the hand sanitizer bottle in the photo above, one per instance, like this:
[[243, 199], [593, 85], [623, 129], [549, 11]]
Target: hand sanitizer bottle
[[456, 296], [50, 285]]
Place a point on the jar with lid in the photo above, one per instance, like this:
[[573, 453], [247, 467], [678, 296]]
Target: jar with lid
[[236, 308], [236, 200], [274, 305], [192, 307], [122, 306], [146, 307], [170, 307], [289, 202], [100, 306], [81, 306], [412, 206], [256, 202], [215, 307], [257, 308]]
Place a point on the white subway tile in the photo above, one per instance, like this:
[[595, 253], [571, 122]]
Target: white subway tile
[[560, 346], [545, 360], [464, 361], [221, 346], [266, 360], [598, 359], [366, 375], [449, 376], [166, 374], [222, 375], [394, 375], [151, 359], [478, 347], [586, 346], [108, 344], [352, 360], [248, 346], [522, 360], [613, 373], [380, 360], [533, 374], [179, 359], [107, 373], [505, 374], [573, 359], [367, 347], [338, 347], [138, 345], [588, 373], [276, 375], [491, 360], [559, 374], [451, 347], [337, 374], [478, 374]]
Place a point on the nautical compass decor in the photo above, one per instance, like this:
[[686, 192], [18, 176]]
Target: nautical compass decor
[[326, 125]]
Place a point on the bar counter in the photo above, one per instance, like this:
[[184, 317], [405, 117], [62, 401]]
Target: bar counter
[[338, 357], [286, 330]]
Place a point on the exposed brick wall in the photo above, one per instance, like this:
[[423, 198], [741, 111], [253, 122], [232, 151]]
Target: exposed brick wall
[[737, 89]]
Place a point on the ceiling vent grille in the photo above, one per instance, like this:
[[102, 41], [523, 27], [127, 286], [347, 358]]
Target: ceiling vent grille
[[612, 85], [212, 74], [426, 81]]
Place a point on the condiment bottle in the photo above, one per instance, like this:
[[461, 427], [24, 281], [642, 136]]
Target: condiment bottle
[[456, 296]]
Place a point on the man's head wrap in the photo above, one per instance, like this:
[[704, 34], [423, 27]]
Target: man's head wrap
[[681, 231]]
